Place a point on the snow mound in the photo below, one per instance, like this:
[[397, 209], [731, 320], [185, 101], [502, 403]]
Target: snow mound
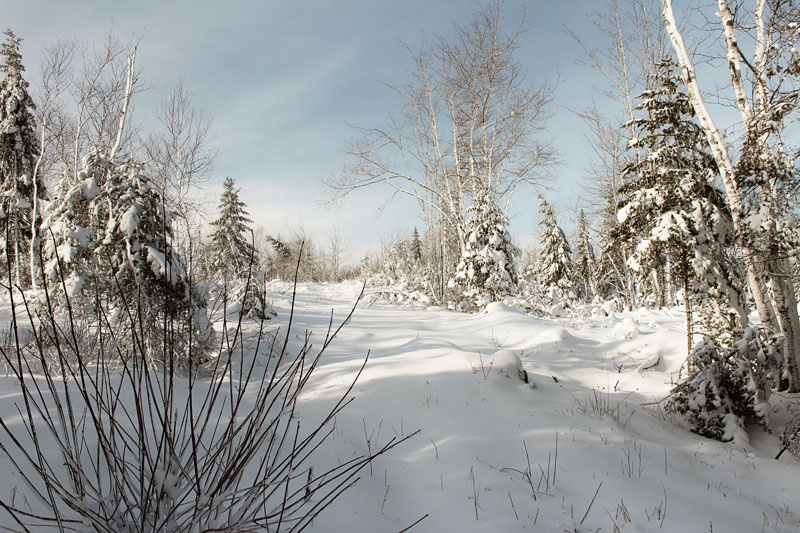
[[651, 361], [629, 328], [509, 365], [500, 307], [552, 334]]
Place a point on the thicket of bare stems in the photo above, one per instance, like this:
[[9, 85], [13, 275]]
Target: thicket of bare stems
[[112, 440]]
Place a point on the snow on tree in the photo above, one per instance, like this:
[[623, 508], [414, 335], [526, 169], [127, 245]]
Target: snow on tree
[[585, 260], [487, 271], [672, 219], [676, 222], [554, 269], [399, 261], [766, 98], [19, 147], [109, 251], [402, 273]]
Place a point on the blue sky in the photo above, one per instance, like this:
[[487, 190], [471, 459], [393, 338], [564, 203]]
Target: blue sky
[[282, 81]]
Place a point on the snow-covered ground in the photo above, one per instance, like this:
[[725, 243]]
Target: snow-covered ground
[[583, 446], [497, 454]]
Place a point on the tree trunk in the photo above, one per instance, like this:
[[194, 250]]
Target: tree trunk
[[686, 300], [786, 309]]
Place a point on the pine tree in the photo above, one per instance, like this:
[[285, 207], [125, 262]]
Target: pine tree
[[585, 260], [110, 254], [487, 271], [231, 253], [554, 270], [18, 150], [728, 386]]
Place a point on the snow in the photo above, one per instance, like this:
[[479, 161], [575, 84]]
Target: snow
[[497, 454], [82, 235], [129, 221], [157, 260], [89, 188], [629, 328], [429, 370]]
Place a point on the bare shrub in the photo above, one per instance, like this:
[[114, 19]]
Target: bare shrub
[[115, 440]]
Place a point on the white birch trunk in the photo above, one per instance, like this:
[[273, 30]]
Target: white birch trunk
[[125, 103]]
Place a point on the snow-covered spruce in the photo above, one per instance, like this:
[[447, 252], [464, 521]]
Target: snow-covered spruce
[[553, 271], [486, 272], [231, 260], [108, 254], [230, 252], [20, 190], [585, 264], [673, 222]]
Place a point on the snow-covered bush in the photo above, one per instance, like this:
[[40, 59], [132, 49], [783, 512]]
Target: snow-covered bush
[[250, 293], [487, 271], [402, 275], [726, 387]]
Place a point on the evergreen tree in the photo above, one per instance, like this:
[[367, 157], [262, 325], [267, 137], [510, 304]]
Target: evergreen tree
[[416, 246], [728, 386], [231, 253], [110, 254], [675, 221], [232, 258], [554, 270], [18, 150], [487, 271], [585, 261], [672, 218]]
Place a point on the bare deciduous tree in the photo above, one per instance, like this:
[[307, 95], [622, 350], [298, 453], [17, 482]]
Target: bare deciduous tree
[[56, 66], [85, 95], [102, 92], [469, 120], [337, 250], [181, 154]]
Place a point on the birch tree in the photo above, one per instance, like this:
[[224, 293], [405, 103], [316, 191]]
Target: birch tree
[[764, 81], [181, 155], [53, 121]]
